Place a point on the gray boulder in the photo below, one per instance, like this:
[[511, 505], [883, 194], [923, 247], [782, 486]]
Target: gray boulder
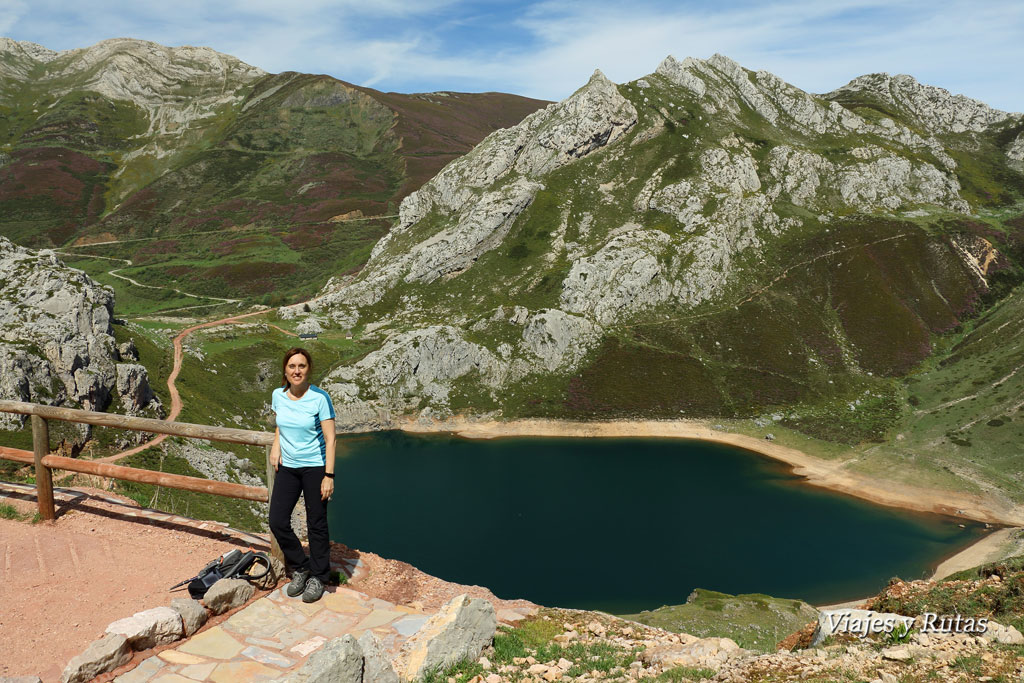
[[227, 594], [338, 661], [149, 628], [276, 573], [193, 615], [376, 665], [103, 655], [460, 630]]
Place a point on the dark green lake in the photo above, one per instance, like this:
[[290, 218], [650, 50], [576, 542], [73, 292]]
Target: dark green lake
[[622, 525]]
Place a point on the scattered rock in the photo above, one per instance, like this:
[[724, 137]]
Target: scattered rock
[[1007, 635], [900, 653], [833, 621], [103, 655], [710, 653]]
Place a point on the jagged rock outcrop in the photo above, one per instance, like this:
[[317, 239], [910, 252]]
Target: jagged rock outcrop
[[216, 464], [558, 338], [724, 86], [56, 343], [133, 386], [932, 107], [625, 274], [623, 201], [22, 56], [593, 117], [421, 363], [1015, 151]]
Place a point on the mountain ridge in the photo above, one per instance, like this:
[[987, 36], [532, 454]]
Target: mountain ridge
[[130, 139], [707, 242]]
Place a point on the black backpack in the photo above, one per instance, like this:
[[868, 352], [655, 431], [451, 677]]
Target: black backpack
[[232, 565]]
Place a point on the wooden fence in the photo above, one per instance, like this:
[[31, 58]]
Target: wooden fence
[[46, 463]]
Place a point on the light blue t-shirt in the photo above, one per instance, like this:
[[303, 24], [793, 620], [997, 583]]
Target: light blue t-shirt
[[298, 422]]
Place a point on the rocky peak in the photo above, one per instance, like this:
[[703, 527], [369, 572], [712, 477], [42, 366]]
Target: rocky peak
[[145, 72], [933, 107], [722, 85], [177, 86], [593, 117], [21, 48], [17, 59]]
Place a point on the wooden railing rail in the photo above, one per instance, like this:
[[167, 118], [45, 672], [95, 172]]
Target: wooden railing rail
[[140, 424], [45, 463]]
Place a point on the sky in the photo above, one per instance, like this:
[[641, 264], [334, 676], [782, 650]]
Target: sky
[[549, 48]]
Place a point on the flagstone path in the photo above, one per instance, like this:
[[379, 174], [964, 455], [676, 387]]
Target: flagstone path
[[276, 634]]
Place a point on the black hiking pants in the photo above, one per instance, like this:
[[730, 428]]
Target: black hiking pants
[[288, 484]]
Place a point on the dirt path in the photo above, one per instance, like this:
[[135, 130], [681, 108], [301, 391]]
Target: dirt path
[[172, 389], [104, 558], [114, 273]]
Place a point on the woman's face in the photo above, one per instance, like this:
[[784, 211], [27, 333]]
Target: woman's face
[[297, 369]]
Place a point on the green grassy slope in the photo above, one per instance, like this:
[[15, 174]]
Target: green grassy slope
[[755, 622], [285, 156]]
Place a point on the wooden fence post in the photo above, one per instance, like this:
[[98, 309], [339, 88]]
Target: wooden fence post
[[44, 477], [275, 549]]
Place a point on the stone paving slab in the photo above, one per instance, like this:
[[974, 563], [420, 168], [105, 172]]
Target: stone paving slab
[[263, 641], [276, 634]]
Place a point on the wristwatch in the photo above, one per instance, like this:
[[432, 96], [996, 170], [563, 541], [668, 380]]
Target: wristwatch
[[329, 475]]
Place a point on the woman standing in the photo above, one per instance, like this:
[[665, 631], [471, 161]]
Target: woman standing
[[303, 456]]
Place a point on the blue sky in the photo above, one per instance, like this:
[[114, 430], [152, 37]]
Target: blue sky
[[547, 49]]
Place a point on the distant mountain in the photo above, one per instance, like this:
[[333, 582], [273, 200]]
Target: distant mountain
[[709, 242], [129, 139]]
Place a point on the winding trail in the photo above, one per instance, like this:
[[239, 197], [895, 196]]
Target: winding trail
[[114, 273], [172, 389]]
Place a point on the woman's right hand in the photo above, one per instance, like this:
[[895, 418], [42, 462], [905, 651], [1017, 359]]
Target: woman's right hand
[[275, 449]]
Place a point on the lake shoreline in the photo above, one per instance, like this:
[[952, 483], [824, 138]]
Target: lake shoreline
[[816, 471]]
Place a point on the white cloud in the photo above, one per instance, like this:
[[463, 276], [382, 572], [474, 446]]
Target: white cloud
[[548, 49], [11, 12]]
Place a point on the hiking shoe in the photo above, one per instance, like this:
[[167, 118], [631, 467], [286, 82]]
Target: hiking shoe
[[298, 583], [314, 590]]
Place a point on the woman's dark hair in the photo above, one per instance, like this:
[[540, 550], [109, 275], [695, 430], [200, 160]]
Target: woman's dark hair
[[284, 364]]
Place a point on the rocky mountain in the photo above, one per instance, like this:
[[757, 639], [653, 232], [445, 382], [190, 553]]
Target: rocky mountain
[[706, 241], [130, 139], [56, 342]]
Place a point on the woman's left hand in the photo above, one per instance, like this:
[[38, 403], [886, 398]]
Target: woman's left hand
[[326, 488]]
